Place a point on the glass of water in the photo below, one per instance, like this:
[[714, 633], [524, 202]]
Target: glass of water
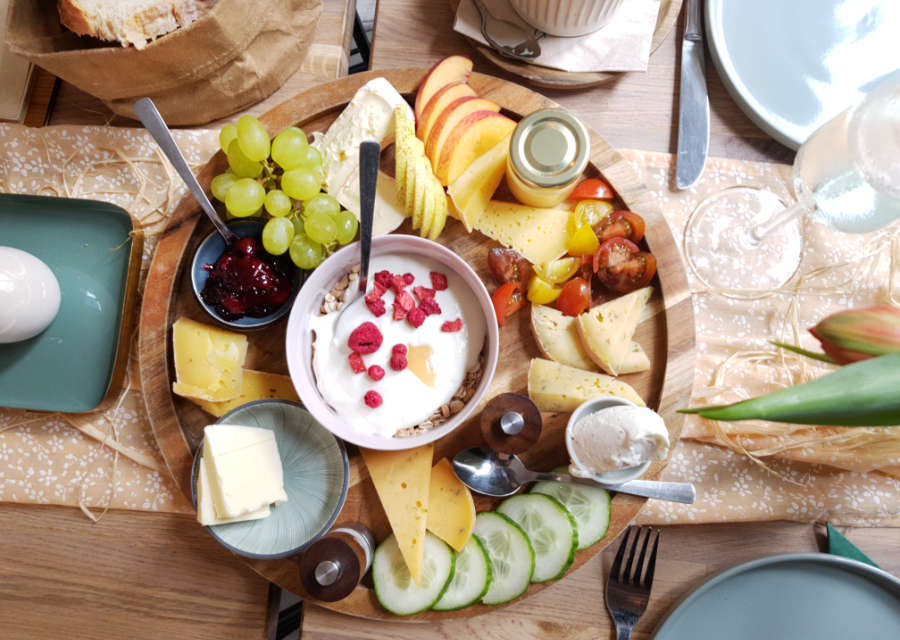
[[744, 241]]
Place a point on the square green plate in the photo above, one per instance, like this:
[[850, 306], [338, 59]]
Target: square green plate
[[78, 362]]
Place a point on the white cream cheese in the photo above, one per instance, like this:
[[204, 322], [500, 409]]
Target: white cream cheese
[[615, 438], [407, 399], [29, 295]]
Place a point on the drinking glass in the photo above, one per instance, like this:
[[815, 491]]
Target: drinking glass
[[744, 241]]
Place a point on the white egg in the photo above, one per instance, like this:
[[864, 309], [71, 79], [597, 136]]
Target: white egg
[[29, 295]]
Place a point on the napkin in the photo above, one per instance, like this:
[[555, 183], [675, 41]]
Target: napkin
[[621, 45], [838, 545]]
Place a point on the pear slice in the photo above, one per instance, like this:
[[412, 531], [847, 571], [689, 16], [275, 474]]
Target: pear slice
[[440, 210], [419, 201]]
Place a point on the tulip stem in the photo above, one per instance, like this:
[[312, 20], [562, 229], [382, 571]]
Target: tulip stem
[[803, 352]]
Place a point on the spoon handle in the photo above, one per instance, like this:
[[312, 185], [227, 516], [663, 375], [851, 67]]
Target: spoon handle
[[683, 492], [369, 153], [147, 113]]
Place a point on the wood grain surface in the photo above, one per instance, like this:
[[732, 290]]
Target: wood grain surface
[[667, 335], [556, 79]]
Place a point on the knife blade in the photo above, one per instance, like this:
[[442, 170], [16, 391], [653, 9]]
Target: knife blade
[[693, 102]]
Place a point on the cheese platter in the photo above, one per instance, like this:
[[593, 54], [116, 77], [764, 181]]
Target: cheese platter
[[524, 362]]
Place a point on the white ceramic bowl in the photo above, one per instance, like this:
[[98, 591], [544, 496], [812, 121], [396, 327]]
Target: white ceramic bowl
[[566, 17], [299, 341]]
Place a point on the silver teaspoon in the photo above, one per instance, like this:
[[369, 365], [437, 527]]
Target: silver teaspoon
[[507, 38]]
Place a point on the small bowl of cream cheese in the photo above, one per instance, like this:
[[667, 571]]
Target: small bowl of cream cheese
[[612, 440]]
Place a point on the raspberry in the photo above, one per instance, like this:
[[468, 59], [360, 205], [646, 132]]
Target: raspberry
[[403, 303], [408, 278], [430, 306], [438, 281], [422, 293], [398, 283], [377, 291], [377, 306], [416, 317], [376, 372], [356, 363], [373, 399], [366, 338], [399, 348], [450, 327], [398, 361], [383, 278]]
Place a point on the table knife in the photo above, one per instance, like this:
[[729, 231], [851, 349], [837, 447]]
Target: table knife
[[693, 103]]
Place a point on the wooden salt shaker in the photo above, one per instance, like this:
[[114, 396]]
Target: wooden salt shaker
[[332, 566], [511, 423]]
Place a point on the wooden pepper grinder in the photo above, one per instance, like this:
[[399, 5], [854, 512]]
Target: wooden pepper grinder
[[332, 566], [510, 423]]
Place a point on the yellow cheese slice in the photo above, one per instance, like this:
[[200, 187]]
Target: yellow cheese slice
[[475, 187], [557, 387], [538, 234], [208, 361], [451, 510], [255, 385], [403, 481], [606, 330]]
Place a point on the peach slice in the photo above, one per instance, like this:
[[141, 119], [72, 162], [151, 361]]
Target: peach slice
[[475, 186], [452, 69], [472, 137], [439, 102], [454, 113]]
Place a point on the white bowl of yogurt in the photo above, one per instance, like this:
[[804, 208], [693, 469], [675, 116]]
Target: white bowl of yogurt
[[368, 395]]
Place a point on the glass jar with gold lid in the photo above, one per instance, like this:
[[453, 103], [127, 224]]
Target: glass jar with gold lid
[[547, 155]]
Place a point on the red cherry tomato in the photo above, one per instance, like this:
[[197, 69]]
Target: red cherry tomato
[[622, 267], [621, 224], [507, 300], [592, 189], [575, 297], [507, 265]]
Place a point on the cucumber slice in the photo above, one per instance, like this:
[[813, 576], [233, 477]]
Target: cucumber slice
[[471, 577], [512, 558], [551, 530], [588, 505], [394, 586]]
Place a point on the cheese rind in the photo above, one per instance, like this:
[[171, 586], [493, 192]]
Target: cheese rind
[[451, 510], [402, 480], [538, 234], [255, 385], [206, 513], [606, 330], [208, 361], [557, 387]]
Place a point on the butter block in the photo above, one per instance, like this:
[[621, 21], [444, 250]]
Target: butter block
[[556, 387], [244, 469], [451, 510], [607, 329], [206, 513], [208, 361], [255, 385], [538, 234]]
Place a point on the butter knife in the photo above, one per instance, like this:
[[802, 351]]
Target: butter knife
[[693, 103]]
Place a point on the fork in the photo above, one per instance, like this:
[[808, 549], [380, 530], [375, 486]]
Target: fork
[[626, 593]]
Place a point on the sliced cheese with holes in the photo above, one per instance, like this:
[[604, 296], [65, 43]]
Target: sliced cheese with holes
[[402, 480], [557, 387], [386, 216], [208, 361], [206, 513], [451, 510], [606, 330], [538, 234], [255, 385]]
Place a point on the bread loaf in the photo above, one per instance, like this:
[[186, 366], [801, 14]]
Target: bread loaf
[[130, 22]]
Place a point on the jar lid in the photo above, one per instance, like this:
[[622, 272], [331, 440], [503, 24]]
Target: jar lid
[[549, 148]]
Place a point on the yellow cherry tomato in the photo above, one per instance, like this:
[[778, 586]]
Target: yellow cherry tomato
[[583, 242], [542, 292], [588, 212], [558, 271]]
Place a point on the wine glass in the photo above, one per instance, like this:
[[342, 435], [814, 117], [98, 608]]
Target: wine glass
[[745, 242]]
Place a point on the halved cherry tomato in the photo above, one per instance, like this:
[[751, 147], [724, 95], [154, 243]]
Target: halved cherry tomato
[[542, 292], [621, 224], [507, 300], [622, 267], [508, 265], [588, 212], [582, 242], [575, 297], [592, 189]]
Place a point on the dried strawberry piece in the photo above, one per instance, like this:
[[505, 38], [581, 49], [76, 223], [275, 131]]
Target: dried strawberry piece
[[383, 278], [376, 306], [438, 281], [356, 363], [366, 338], [452, 326], [398, 361], [373, 399], [398, 283], [423, 293], [399, 348], [430, 306], [408, 278], [416, 317], [403, 303], [376, 372], [377, 291]]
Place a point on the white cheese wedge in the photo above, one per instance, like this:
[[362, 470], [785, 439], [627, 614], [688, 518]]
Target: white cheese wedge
[[387, 215], [606, 330], [206, 513], [244, 469]]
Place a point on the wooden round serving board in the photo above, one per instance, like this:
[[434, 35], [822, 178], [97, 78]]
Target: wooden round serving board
[[667, 336], [557, 79]]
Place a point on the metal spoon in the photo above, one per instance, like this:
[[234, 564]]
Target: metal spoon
[[499, 32], [496, 474], [149, 116]]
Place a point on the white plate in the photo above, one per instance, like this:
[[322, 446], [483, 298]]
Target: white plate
[[792, 65]]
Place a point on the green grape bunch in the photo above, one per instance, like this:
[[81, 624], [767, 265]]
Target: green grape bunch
[[282, 178]]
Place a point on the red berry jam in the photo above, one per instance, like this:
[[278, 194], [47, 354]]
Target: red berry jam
[[247, 281]]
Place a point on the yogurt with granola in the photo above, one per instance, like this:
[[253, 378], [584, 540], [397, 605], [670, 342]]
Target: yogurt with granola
[[403, 352]]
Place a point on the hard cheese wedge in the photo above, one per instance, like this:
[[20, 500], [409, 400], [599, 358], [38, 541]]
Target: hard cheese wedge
[[208, 361], [538, 234], [206, 513], [255, 385], [557, 387], [606, 330], [403, 482], [475, 187], [451, 510]]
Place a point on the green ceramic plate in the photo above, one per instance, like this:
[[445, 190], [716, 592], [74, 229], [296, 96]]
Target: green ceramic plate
[[80, 359], [316, 479], [801, 595]]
